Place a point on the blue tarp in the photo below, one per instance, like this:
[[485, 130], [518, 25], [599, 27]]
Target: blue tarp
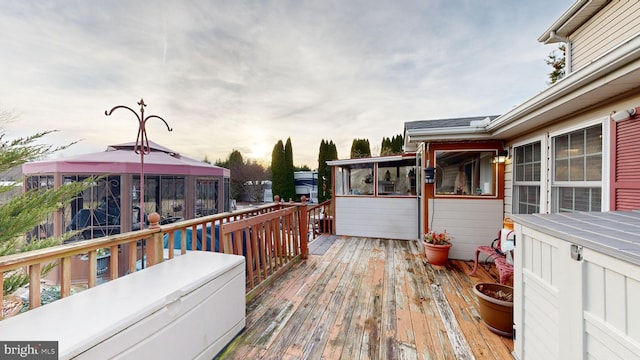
[[177, 238]]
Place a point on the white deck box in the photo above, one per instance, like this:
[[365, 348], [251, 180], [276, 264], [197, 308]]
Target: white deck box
[[577, 285], [190, 307]]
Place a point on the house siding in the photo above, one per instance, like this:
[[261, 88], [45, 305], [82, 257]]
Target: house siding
[[618, 21], [508, 187], [625, 182], [470, 222], [377, 217]]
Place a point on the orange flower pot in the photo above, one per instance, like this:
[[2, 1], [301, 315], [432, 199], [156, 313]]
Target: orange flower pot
[[496, 314], [437, 254]]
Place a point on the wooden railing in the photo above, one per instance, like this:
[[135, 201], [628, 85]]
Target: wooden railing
[[320, 219], [271, 237]]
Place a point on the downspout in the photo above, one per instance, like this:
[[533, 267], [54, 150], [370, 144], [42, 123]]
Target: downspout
[[554, 36]]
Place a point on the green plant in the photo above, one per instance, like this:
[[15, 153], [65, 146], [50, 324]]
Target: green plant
[[437, 238], [21, 213]]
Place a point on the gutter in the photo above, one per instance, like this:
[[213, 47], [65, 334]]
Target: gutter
[[568, 58], [599, 68], [564, 18]]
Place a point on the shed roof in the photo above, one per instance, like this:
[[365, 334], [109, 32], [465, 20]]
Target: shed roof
[[122, 159]]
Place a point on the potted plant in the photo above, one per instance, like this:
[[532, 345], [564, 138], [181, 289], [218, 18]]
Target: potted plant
[[496, 307], [436, 247]]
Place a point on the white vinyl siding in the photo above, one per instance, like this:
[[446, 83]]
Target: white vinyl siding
[[471, 222], [377, 217], [616, 23]]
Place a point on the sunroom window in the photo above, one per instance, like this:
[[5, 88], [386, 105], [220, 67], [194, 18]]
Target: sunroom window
[[397, 178], [465, 172], [577, 170], [394, 177]]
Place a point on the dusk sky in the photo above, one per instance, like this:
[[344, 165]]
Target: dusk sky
[[244, 74]]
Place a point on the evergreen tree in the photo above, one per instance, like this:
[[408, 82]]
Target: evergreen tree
[[397, 144], [22, 213], [360, 148], [558, 63], [385, 147], [278, 170], [391, 146], [327, 152], [235, 164], [323, 171], [289, 179]]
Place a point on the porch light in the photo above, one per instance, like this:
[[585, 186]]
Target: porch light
[[501, 158], [429, 175], [623, 115]]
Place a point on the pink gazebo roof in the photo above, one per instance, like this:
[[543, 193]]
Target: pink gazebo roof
[[121, 159]]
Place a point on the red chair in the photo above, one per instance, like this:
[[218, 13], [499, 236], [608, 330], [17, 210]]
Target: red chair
[[495, 253]]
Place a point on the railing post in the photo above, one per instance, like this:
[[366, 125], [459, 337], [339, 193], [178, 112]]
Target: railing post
[[154, 246], [304, 228]]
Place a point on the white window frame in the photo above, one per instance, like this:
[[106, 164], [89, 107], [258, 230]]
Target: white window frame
[[544, 172], [604, 166]]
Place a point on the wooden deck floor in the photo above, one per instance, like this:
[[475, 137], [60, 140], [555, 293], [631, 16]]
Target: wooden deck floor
[[369, 299]]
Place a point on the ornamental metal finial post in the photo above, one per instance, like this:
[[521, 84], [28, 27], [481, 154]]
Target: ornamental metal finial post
[[142, 145]]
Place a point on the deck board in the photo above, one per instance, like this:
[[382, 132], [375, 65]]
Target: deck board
[[369, 299]]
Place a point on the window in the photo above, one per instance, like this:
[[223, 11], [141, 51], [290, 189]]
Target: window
[[354, 179], [397, 178], [391, 177], [577, 170], [361, 180], [206, 197], [526, 179], [469, 173], [45, 228]]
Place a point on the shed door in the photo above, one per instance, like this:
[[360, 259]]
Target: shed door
[[625, 164]]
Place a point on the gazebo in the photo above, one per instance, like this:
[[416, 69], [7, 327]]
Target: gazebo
[[175, 186]]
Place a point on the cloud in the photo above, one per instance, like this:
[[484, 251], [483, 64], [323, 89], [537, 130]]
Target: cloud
[[244, 74]]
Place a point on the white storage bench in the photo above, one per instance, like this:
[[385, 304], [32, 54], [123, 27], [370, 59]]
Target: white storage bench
[[190, 307]]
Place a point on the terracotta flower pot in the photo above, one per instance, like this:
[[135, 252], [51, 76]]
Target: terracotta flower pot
[[496, 314], [437, 254]]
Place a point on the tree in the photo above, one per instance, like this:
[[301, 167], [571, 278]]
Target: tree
[[558, 63], [255, 176], [327, 152], [360, 148], [247, 178], [278, 169], [235, 164], [22, 213], [289, 179], [301, 168], [391, 146]]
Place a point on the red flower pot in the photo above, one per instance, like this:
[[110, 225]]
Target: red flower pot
[[437, 254]]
